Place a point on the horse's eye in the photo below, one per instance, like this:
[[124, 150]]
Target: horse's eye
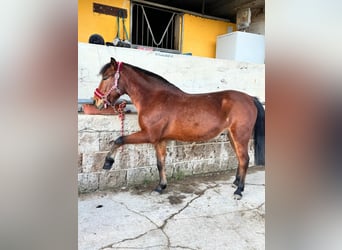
[[106, 77]]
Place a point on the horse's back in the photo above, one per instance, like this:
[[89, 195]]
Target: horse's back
[[195, 117]]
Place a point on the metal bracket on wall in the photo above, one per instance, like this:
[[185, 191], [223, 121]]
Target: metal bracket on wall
[[109, 10]]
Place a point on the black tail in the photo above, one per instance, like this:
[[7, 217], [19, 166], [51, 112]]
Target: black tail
[[259, 134]]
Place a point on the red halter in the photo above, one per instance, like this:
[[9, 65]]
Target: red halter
[[115, 87]]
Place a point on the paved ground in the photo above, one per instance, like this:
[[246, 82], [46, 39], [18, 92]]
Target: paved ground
[[194, 213]]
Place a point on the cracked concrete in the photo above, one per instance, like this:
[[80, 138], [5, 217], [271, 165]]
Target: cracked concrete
[[194, 213]]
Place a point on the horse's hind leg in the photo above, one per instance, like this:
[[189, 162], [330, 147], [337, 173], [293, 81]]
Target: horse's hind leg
[[161, 153], [239, 138]]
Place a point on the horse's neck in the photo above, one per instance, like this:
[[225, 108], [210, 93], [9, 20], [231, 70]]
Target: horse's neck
[[141, 86], [137, 89]]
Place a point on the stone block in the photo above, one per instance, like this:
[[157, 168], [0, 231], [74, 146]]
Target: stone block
[[224, 152], [97, 123], [223, 137], [105, 138], [87, 182], [251, 152], [182, 169], [88, 142], [133, 156], [79, 163], [93, 162], [203, 167], [112, 179], [169, 170], [232, 162], [142, 175], [98, 161], [228, 148], [194, 151]]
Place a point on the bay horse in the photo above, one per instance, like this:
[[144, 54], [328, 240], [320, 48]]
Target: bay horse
[[165, 113]]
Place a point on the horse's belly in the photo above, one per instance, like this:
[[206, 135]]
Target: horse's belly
[[194, 131]]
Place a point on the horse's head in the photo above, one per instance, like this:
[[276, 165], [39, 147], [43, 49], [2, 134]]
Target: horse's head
[[108, 90]]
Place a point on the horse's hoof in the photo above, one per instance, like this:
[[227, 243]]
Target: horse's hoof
[[108, 163], [159, 189], [237, 196]]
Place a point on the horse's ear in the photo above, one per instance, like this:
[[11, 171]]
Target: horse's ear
[[112, 61]]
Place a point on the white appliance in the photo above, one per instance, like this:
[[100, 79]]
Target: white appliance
[[241, 46]]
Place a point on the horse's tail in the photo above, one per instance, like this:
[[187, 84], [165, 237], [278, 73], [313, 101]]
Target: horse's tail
[[259, 134]]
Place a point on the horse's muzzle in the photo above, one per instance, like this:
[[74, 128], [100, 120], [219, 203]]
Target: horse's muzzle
[[99, 104]]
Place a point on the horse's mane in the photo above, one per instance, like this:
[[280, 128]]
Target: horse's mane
[[144, 71], [149, 73], [104, 68]]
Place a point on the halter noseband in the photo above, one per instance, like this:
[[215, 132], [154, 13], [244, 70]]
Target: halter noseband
[[115, 87]]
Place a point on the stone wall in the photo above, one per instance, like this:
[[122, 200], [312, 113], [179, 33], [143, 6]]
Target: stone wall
[[136, 164]]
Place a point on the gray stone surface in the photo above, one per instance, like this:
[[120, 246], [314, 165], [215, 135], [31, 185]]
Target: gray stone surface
[[138, 162], [88, 182], [194, 213]]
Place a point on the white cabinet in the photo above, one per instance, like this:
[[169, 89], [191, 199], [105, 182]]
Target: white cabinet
[[241, 46]]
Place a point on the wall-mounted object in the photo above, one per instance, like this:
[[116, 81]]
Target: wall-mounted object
[[243, 18], [109, 10]]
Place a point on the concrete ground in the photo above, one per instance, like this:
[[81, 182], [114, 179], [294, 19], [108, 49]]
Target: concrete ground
[[193, 213]]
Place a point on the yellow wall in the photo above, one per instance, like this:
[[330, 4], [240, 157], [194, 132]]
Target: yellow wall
[[199, 35], [90, 22]]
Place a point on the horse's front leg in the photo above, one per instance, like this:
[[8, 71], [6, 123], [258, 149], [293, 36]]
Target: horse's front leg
[[160, 154], [135, 138]]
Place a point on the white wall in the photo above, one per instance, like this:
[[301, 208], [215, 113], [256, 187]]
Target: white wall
[[190, 73]]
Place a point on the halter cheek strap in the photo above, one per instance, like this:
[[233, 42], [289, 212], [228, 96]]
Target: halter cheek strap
[[115, 87]]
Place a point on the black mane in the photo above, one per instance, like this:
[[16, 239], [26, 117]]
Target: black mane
[[104, 68], [149, 73], [144, 71]]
